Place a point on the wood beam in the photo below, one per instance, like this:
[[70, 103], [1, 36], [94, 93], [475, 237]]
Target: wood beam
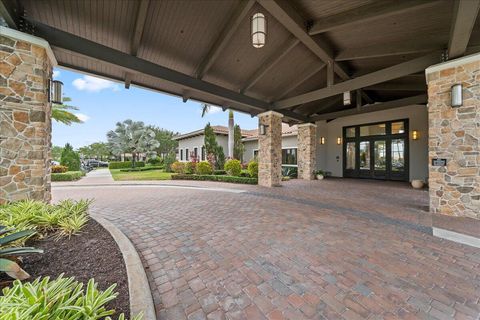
[[376, 10], [386, 50], [324, 106], [300, 80], [8, 15], [227, 32], [420, 99], [390, 73], [330, 73], [398, 86], [358, 98], [128, 79], [464, 15], [270, 63]]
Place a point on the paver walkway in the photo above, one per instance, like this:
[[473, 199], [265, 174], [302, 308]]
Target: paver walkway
[[309, 250]]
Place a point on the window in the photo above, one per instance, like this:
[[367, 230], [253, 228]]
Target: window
[[373, 130], [351, 146], [255, 154], [186, 154], [181, 154], [203, 153], [289, 156], [195, 153], [398, 127], [350, 132]]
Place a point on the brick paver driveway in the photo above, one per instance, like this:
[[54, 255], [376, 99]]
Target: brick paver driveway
[[309, 250]]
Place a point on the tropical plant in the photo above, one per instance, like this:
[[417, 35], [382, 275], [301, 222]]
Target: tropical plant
[[167, 144], [132, 137], [61, 113], [169, 160], [214, 151], [56, 153], [178, 167], [238, 147], [231, 140], [253, 169], [233, 167], [8, 252], [62, 298], [204, 167], [291, 172], [70, 158], [59, 169]]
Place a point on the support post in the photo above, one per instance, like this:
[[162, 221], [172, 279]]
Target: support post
[[307, 151], [25, 116], [270, 149]]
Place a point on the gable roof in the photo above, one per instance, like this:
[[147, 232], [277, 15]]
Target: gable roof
[[247, 135]]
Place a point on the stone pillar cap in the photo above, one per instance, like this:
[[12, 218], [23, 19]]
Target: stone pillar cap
[[22, 36], [270, 112]]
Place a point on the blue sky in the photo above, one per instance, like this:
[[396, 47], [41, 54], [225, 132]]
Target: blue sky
[[103, 103]]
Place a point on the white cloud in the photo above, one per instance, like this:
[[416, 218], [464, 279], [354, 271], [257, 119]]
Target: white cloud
[[93, 84], [82, 117], [56, 73]]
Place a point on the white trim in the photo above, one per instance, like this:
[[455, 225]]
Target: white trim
[[456, 237], [268, 113], [306, 125], [453, 63], [18, 35]]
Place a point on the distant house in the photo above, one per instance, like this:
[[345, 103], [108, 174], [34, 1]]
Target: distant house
[[193, 143]]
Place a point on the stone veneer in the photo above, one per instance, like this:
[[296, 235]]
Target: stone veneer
[[25, 122], [306, 151], [454, 135], [270, 149]]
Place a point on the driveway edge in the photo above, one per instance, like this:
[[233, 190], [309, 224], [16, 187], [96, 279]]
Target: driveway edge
[[141, 300]]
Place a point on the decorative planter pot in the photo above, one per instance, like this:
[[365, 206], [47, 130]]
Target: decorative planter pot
[[417, 184], [320, 176]]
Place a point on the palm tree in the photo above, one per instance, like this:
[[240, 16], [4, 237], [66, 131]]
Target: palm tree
[[231, 124], [61, 114], [132, 137]]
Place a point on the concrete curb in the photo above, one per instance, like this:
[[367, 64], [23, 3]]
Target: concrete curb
[[138, 288]]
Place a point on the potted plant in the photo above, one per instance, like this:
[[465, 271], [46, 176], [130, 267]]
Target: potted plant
[[320, 174], [417, 184]]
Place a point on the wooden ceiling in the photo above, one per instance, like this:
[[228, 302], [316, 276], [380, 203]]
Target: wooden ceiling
[[315, 49]]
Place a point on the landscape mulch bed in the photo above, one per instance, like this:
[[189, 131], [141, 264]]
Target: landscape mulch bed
[[91, 254]]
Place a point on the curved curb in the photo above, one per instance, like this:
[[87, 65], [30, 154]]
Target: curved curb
[[141, 300]]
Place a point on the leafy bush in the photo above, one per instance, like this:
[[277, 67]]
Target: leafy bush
[[65, 218], [142, 169], [178, 167], [219, 172], [204, 167], [291, 172], [124, 164], [190, 167], [62, 298], [233, 167], [8, 254], [219, 178], [59, 169], [70, 158], [245, 173], [168, 161], [155, 161], [67, 176], [253, 169]]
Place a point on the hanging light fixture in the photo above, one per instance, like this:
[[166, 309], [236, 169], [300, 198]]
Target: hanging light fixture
[[347, 98], [259, 30]]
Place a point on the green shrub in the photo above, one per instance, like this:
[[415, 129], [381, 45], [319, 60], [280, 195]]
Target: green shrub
[[178, 167], [59, 169], [233, 167], [155, 161], [219, 172], [253, 169], [219, 178], [288, 171], [70, 158], [190, 167], [67, 176], [168, 161], [204, 167], [62, 298], [142, 169], [124, 164]]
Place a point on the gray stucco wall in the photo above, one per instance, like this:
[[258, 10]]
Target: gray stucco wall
[[250, 146]]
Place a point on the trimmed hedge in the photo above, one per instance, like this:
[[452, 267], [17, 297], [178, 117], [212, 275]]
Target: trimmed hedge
[[125, 164], [218, 178], [67, 176], [219, 172], [143, 169]]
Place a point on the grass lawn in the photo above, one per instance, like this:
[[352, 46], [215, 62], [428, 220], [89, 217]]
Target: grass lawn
[[140, 175]]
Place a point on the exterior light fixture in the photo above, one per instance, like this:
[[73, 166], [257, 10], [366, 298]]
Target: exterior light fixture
[[347, 98], [263, 129], [56, 88], [259, 30], [322, 140], [415, 135], [339, 140], [457, 97]]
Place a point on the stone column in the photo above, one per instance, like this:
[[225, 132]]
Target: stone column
[[454, 135], [307, 150], [25, 116], [270, 149]]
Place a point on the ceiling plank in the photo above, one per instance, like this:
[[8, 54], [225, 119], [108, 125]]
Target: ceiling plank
[[270, 63], [376, 10], [227, 32], [390, 73], [303, 77], [464, 16], [398, 86], [420, 99], [323, 106], [386, 50]]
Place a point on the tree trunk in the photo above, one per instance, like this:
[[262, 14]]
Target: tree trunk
[[134, 155], [230, 134]]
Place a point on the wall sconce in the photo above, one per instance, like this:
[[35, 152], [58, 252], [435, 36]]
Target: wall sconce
[[339, 140], [457, 97], [55, 94], [263, 129], [347, 98], [322, 140], [415, 135], [259, 30]]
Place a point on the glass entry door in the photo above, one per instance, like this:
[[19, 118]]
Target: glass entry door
[[377, 151]]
